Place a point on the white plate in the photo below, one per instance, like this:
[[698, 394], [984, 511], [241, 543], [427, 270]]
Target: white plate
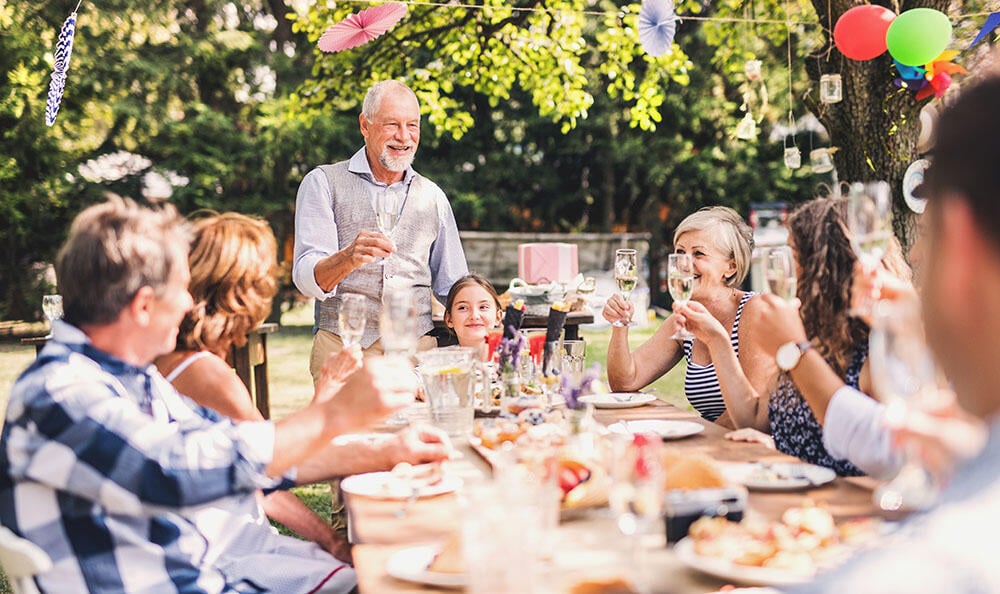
[[382, 485], [778, 476], [667, 429], [618, 399], [411, 565], [747, 575]]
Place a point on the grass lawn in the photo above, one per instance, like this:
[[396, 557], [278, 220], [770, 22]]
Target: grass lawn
[[291, 385]]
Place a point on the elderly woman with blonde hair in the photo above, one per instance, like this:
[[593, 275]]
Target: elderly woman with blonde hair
[[726, 373]]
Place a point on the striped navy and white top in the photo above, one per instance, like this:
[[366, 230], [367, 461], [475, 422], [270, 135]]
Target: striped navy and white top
[[701, 385]]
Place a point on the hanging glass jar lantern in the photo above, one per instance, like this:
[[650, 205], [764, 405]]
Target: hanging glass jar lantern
[[752, 70], [793, 158], [747, 128], [830, 88], [820, 160]]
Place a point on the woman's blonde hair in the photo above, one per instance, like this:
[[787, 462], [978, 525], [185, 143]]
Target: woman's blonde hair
[[233, 281], [818, 230], [730, 234]]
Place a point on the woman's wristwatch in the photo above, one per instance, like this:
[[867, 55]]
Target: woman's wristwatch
[[790, 353]]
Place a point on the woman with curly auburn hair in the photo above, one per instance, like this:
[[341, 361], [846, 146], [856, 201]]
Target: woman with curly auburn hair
[[819, 237], [233, 263]]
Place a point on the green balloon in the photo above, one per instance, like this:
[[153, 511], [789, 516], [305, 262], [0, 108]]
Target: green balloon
[[918, 36]]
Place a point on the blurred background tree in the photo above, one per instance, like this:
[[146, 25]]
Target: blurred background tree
[[539, 114]]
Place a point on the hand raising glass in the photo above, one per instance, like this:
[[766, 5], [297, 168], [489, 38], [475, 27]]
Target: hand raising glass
[[626, 277]]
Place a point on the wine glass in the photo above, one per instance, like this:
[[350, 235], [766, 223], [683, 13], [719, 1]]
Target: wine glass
[[387, 205], [680, 281], [351, 318], [626, 277], [869, 219], [398, 332], [52, 307], [905, 375], [779, 269], [636, 492]]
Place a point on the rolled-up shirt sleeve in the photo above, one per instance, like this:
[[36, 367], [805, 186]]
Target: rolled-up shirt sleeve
[[315, 233], [447, 258], [854, 429]]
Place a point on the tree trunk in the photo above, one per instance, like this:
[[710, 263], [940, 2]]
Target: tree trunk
[[876, 126]]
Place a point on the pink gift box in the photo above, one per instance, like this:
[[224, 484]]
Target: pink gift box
[[547, 262]]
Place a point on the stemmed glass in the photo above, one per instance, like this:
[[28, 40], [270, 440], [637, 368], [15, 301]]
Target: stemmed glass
[[387, 210], [636, 490], [680, 281], [398, 332], [626, 277], [905, 375], [779, 269], [52, 307], [869, 219], [351, 318]]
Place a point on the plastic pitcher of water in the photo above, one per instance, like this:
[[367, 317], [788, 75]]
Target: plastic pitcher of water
[[449, 383]]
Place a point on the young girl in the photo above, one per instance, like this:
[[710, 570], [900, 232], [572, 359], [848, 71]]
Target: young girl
[[472, 310]]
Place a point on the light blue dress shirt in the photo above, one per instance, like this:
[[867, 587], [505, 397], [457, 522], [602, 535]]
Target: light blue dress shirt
[[316, 232]]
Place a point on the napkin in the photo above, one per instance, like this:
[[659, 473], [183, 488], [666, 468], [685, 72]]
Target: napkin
[[557, 319], [513, 317]]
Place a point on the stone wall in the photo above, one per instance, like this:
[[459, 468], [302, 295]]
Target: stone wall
[[493, 254]]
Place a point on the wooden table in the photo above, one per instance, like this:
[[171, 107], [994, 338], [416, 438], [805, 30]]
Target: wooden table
[[587, 545], [530, 322]]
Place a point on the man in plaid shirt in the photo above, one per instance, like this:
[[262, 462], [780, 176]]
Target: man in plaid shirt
[[128, 485]]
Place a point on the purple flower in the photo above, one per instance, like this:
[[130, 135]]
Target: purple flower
[[510, 350], [572, 388]]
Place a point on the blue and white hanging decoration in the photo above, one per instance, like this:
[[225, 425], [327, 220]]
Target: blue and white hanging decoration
[[64, 50], [657, 26]]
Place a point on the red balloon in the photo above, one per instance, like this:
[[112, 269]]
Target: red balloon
[[860, 32]]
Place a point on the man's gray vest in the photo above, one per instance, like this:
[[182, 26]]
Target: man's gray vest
[[408, 267]]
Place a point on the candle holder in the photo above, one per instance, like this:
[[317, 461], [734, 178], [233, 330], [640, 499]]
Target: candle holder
[[830, 88], [793, 157], [820, 160], [747, 128], [752, 69]]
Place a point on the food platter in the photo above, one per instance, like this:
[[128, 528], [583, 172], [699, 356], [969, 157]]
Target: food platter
[[778, 476], [747, 575]]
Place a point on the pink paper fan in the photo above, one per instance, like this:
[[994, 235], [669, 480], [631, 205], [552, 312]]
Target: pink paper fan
[[360, 28]]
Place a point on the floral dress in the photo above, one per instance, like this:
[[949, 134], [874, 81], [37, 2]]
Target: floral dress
[[794, 427]]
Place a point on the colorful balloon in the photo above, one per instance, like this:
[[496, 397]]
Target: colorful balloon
[[860, 32], [918, 36]]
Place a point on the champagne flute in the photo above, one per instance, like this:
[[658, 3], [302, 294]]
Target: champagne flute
[[52, 308], [869, 219], [636, 492], [398, 332], [779, 269], [905, 375], [626, 277], [387, 210], [351, 318], [680, 281]]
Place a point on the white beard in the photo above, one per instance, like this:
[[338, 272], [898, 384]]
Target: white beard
[[396, 164]]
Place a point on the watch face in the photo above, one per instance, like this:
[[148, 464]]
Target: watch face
[[787, 356]]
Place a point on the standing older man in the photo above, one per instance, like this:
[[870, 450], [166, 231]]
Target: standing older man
[[127, 485], [338, 248]]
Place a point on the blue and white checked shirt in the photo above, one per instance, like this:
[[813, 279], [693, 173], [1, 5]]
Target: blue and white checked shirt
[[131, 487]]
